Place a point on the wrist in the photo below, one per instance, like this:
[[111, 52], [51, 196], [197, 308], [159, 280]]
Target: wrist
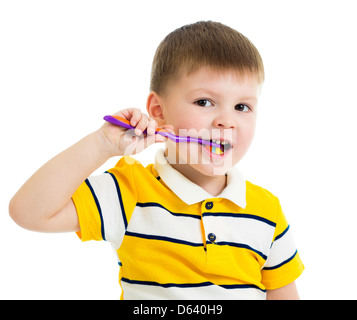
[[104, 146]]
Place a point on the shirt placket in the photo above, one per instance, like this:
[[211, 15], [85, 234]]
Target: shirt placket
[[208, 231]]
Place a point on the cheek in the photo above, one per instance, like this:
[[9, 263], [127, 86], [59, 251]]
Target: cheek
[[246, 136], [249, 134], [187, 123], [183, 117], [251, 131]]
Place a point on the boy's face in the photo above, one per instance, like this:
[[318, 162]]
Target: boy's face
[[211, 105]]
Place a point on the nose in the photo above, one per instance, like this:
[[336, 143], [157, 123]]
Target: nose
[[224, 121]]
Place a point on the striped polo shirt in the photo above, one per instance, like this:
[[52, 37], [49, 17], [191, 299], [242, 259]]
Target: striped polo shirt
[[176, 241]]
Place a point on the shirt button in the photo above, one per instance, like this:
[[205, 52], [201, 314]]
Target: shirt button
[[209, 205], [212, 237]]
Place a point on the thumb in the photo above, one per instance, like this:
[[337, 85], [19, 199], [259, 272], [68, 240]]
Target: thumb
[[169, 128]]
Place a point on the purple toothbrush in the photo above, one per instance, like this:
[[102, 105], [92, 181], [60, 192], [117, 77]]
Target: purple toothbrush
[[122, 122]]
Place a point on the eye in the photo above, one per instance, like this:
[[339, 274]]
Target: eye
[[204, 103], [242, 107]]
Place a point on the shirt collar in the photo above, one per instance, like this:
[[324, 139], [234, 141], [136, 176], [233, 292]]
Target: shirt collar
[[191, 193]]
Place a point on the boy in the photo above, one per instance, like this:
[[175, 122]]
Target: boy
[[189, 226]]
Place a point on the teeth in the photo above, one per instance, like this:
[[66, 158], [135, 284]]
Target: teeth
[[224, 146], [220, 142]]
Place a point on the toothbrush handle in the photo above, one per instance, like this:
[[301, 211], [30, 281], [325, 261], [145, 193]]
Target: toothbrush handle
[[124, 123]]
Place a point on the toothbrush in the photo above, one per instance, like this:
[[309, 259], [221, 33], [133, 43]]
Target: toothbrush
[[122, 122]]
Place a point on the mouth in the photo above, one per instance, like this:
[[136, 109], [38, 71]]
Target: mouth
[[224, 147]]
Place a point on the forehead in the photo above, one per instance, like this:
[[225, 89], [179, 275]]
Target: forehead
[[218, 81]]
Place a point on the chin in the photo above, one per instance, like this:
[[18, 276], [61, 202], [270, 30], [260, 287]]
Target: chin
[[200, 159], [211, 170]]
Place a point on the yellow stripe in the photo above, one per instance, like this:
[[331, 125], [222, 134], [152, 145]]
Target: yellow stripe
[[165, 262], [88, 214], [282, 276]]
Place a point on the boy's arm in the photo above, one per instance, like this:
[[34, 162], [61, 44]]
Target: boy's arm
[[44, 202], [288, 292]]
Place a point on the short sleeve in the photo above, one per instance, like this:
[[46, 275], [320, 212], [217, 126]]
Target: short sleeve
[[104, 204], [283, 264]]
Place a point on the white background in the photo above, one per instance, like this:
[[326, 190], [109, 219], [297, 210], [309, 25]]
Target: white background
[[65, 64]]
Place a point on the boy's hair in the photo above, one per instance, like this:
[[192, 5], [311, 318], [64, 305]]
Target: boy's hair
[[203, 44]]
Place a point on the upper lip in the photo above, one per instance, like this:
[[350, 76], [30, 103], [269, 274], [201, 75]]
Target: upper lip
[[220, 140]]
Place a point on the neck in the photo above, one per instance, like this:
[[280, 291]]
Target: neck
[[214, 185]]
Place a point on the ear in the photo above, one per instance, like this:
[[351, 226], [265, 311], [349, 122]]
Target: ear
[[154, 108]]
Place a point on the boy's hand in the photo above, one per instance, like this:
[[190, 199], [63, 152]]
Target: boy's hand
[[127, 142]]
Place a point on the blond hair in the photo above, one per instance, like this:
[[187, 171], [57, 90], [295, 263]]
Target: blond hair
[[203, 44]]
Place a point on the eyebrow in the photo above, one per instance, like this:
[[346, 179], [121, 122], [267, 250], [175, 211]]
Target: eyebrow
[[211, 92], [249, 98], [203, 89]]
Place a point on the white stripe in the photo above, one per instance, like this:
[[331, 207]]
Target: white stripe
[[107, 195], [212, 292], [254, 233], [157, 221], [282, 249]]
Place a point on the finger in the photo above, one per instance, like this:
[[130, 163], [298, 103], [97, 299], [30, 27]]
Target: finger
[[142, 124], [136, 116], [151, 128], [126, 113]]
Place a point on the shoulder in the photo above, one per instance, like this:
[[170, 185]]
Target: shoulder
[[262, 202], [259, 193], [126, 166], [127, 162], [129, 169]]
